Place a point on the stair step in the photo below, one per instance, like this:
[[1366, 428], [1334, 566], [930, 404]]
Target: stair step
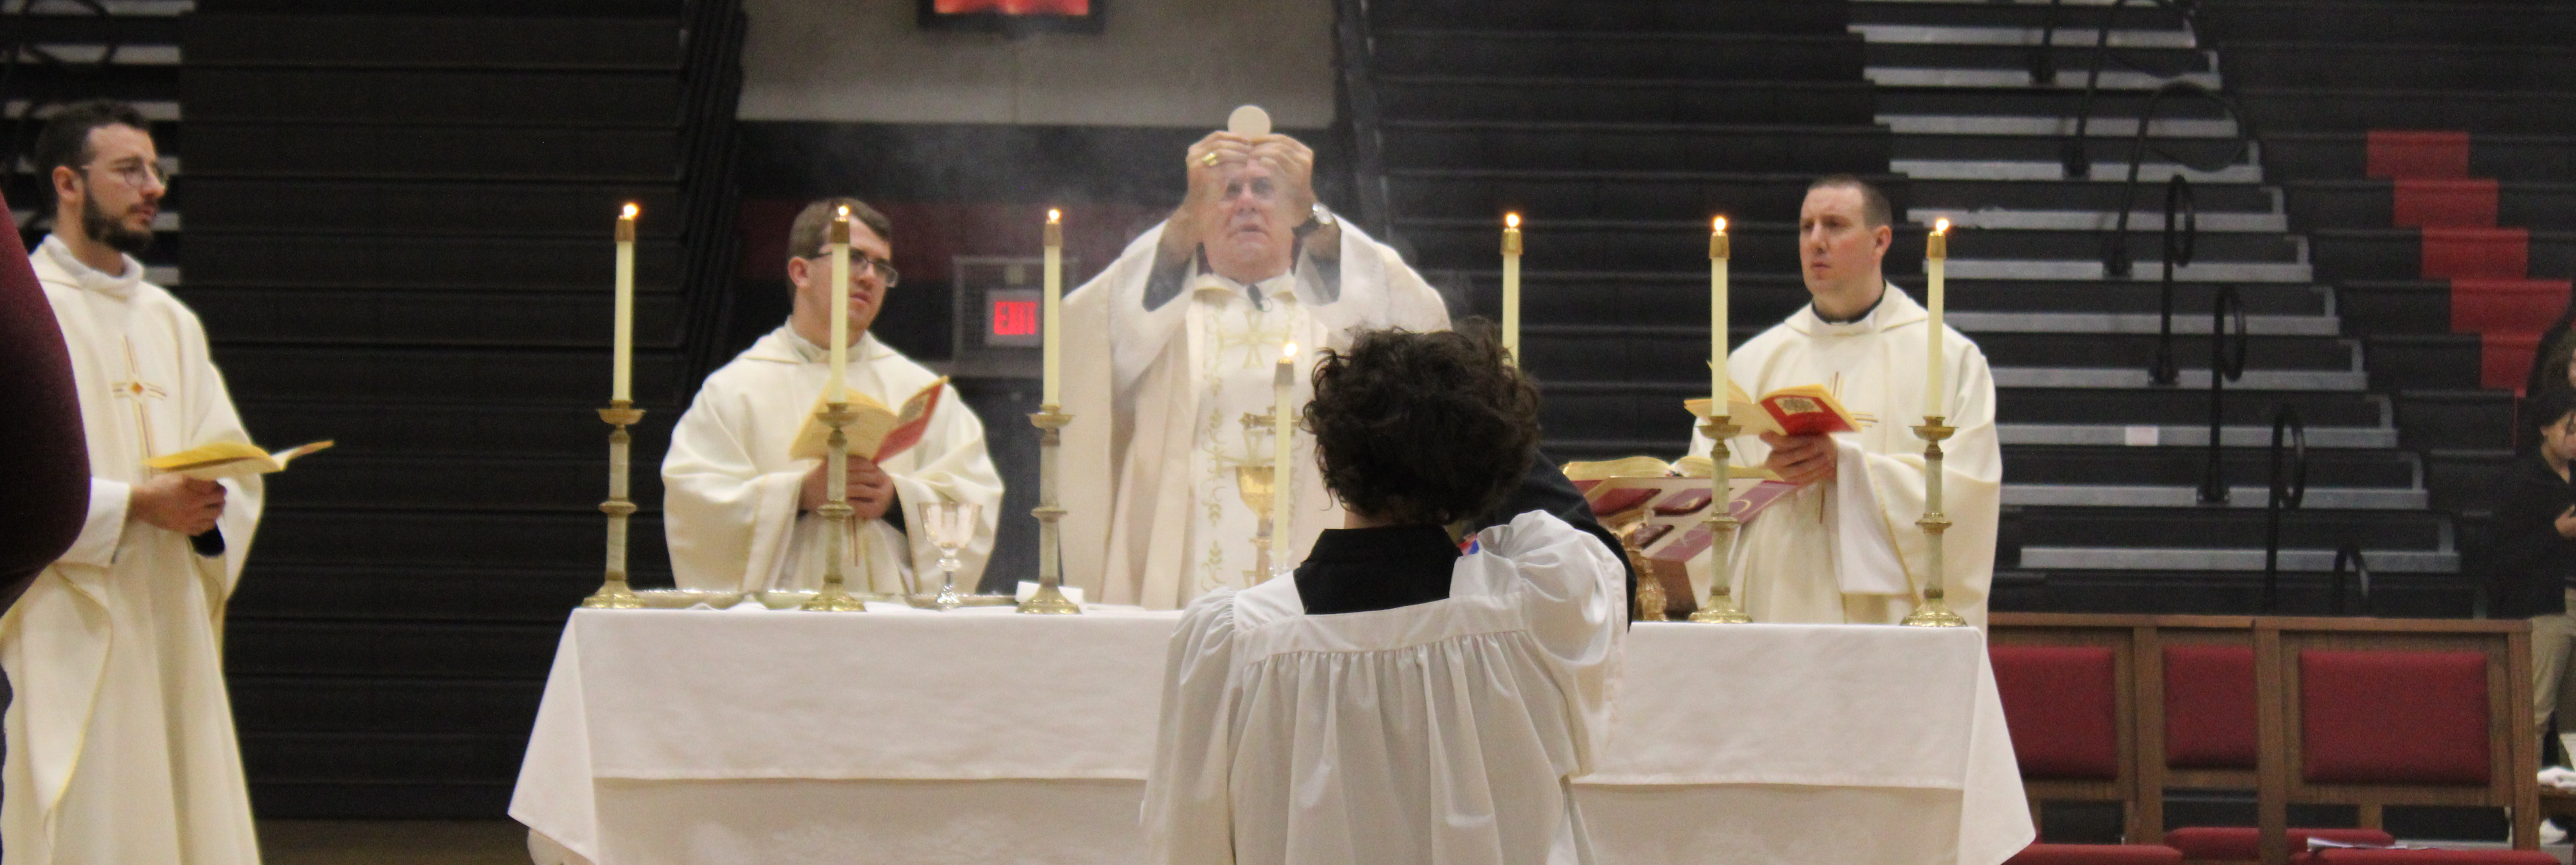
[[1944, 76], [457, 42], [1623, 409], [2039, 102], [2340, 155], [297, 536], [2383, 23], [562, 377], [2372, 203], [487, 209], [2054, 126], [569, 429], [1667, 16], [2058, 495], [2199, 271], [2071, 60], [2424, 361], [388, 152], [1636, 147], [1748, 57], [2398, 253], [2164, 467], [2109, 193], [457, 650], [2066, 16], [1455, 97], [2188, 435], [1593, 195], [649, 98], [2226, 534], [1945, 34], [429, 263], [358, 482], [2474, 67], [274, 704], [2098, 151], [2070, 590], [2003, 169], [2335, 109], [2125, 558], [1976, 306], [479, 592], [2096, 220]]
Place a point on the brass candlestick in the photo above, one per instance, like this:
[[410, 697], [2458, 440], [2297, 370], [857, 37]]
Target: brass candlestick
[[1932, 613], [613, 592], [1721, 608], [1049, 599], [835, 596]]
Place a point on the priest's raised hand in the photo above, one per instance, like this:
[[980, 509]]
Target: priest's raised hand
[[180, 504]]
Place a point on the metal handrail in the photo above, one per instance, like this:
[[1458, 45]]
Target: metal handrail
[[2288, 492], [2179, 245], [1352, 50], [2350, 554], [2223, 368], [2115, 249]]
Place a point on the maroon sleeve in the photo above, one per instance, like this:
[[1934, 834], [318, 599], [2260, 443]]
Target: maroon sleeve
[[42, 450]]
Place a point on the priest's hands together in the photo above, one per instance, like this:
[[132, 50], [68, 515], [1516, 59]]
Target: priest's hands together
[[177, 503], [871, 490], [1800, 460]]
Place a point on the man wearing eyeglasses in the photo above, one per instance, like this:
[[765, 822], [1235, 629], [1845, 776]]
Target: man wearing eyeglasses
[[740, 511], [120, 742]]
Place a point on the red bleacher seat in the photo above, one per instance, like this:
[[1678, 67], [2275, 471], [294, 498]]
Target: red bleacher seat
[[2094, 854]]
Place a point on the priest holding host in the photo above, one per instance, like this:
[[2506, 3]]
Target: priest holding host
[[1178, 341], [1844, 547], [120, 740], [740, 501]]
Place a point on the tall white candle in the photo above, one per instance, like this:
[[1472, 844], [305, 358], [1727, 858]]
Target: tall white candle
[[1283, 429], [621, 386], [1936, 255], [1512, 286], [840, 242], [1054, 339], [1719, 253]]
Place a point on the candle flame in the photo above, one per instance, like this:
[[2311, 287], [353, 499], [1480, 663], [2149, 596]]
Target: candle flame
[[630, 211], [1288, 352], [1511, 220], [1718, 226], [1940, 226], [1053, 216], [844, 214]]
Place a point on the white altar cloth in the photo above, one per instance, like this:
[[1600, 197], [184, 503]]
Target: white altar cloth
[[705, 736]]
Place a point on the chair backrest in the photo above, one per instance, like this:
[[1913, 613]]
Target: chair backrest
[[2378, 712], [2069, 698]]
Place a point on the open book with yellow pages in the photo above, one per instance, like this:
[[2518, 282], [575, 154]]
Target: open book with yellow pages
[[214, 462], [1807, 409], [878, 434]]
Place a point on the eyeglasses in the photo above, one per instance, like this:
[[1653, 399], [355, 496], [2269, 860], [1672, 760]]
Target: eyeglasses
[[137, 173], [862, 264]]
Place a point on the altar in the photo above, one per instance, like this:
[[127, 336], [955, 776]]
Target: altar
[[976, 735]]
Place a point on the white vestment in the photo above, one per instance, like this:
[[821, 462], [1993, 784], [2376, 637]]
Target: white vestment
[[120, 740], [729, 489], [1848, 549], [1158, 394], [1442, 733]]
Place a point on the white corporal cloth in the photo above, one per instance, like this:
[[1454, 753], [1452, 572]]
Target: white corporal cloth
[[980, 736]]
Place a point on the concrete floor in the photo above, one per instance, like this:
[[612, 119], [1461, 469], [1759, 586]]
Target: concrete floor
[[393, 842]]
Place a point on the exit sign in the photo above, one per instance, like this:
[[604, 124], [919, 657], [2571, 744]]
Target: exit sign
[[1011, 318]]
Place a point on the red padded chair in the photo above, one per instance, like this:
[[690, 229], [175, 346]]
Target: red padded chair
[[2096, 854], [2378, 712], [2069, 703]]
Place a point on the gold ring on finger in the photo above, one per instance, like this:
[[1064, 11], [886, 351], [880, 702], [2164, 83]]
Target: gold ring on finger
[[1209, 160]]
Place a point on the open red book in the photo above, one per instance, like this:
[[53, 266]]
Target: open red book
[[879, 433], [1803, 410], [1670, 507]]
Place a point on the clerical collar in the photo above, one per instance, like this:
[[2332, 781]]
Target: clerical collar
[[1358, 570], [1864, 314], [809, 351]]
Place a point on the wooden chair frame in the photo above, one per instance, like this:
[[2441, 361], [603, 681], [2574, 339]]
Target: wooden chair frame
[[2124, 787]]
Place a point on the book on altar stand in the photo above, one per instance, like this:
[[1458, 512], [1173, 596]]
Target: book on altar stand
[[222, 460], [878, 434], [1807, 409], [1670, 501]]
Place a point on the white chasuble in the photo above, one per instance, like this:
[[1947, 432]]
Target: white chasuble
[[1158, 388], [729, 500], [1848, 549], [120, 740]]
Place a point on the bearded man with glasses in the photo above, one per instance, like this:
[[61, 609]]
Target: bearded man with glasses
[[120, 743], [739, 510]]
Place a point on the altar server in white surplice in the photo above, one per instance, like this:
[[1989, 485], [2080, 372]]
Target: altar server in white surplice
[[120, 742], [1398, 700], [1170, 347], [1845, 547], [739, 512]]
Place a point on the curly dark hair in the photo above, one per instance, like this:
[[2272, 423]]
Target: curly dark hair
[[1423, 428]]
